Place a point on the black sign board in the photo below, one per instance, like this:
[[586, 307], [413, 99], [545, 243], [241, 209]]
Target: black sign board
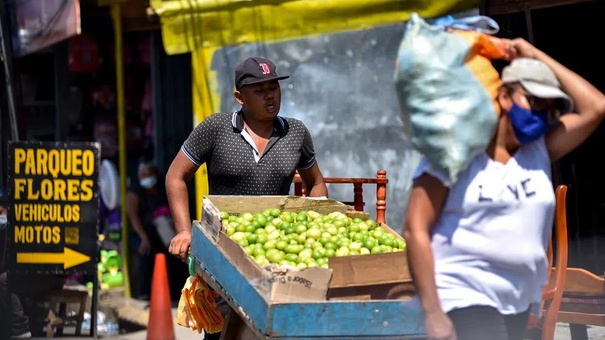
[[53, 207]]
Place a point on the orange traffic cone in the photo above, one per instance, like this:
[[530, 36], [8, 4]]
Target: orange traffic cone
[[160, 325]]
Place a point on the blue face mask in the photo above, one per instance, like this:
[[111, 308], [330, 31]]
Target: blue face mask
[[528, 125]]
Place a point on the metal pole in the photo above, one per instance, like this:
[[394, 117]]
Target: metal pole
[[530, 27], [6, 58], [94, 306], [7, 61], [117, 28]]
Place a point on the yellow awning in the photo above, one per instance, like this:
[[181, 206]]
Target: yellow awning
[[203, 27], [188, 25]]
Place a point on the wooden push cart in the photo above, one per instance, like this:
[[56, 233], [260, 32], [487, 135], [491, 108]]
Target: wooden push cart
[[263, 319]]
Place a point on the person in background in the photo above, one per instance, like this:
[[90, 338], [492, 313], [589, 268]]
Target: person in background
[[477, 247], [18, 321], [143, 199], [252, 151]]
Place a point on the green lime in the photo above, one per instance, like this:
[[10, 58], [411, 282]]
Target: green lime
[[287, 217], [331, 245], [322, 261], [275, 212], [258, 251], [285, 225], [250, 228], [318, 254], [252, 238], [281, 245], [247, 216], [262, 238], [369, 242], [275, 257], [302, 217], [330, 252], [377, 250], [260, 219], [292, 257]]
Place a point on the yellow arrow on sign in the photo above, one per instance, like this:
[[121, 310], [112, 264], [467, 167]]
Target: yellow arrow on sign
[[68, 257]]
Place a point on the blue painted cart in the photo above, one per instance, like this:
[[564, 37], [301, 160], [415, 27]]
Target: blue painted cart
[[362, 319]]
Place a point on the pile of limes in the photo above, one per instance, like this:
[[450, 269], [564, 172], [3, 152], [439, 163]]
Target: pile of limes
[[307, 238]]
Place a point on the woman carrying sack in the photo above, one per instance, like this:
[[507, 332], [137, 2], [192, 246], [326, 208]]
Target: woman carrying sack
[[477, 245]]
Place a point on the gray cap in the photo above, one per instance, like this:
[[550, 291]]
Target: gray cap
[[538, 79]]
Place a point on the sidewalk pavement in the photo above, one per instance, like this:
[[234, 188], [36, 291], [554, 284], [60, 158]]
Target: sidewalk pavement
[[182, 333], [562, 332]]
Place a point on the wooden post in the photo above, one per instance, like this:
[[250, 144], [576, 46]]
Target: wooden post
[[358, 196], [381, 196], [299, 190]]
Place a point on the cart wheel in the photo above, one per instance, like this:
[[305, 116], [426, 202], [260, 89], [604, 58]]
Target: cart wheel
[[400, 292], [236, 329]]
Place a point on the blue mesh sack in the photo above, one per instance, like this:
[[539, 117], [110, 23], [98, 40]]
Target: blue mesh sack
[[447, 88]]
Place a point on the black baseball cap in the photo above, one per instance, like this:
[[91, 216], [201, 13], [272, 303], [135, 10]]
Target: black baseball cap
[[255, 70]]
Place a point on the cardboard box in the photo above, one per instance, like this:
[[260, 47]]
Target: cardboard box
[[276, 284], [372, 276], [351, 277], [385, 291]]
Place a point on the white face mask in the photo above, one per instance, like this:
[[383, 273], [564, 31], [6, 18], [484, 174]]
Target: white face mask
[[3, 221], [148, 182]]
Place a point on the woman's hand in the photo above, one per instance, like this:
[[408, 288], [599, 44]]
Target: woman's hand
[[179, 246], [519, 48], [439, 327]]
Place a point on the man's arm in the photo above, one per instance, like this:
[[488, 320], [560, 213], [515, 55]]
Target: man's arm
[[181, 170], [315, 186]]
